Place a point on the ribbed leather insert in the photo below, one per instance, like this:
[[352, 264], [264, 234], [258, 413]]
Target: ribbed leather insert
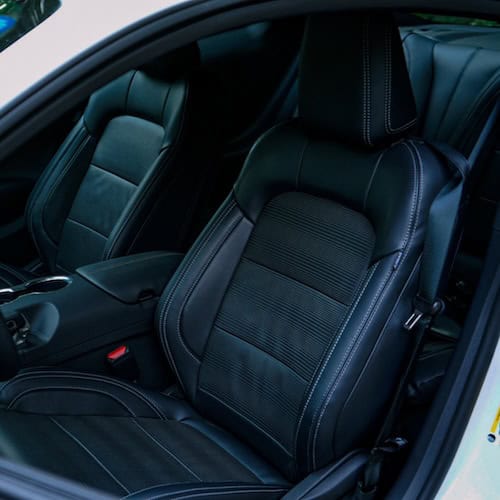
[[286, 303], [123, 157]]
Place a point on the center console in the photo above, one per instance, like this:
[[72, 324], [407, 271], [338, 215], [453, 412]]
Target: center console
[[56, 319]]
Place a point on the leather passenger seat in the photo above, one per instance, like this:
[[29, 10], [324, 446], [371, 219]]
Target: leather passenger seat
[[284, 322], [122, 182], [456, 81]]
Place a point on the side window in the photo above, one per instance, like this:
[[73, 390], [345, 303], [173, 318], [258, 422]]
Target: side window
[[19, 17], [464, 21]]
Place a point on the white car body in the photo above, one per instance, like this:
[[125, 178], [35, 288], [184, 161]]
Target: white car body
[[79, 25], [75, 27]]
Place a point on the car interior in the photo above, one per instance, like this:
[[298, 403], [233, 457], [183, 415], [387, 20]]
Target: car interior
[[211, 268]]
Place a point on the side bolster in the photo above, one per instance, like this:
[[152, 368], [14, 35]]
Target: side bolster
[[71, 393], [357, 367], [144, 216], [198, 288], [52, 197], [207, 491]]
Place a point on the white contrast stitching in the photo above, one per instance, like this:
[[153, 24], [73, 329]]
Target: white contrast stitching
[[413, 223], [19, 396], [251, 422], [74, 438], [195, 283], [366, 84], [331, 350], [229, 489], [180, 277], [93, 377], [178, 460], [388, 87]]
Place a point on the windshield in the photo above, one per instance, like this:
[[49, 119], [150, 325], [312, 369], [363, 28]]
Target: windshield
[[17, 17]]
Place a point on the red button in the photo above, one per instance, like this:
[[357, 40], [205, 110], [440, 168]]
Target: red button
[[117, 353]]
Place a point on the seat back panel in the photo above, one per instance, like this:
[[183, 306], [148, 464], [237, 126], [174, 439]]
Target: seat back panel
[[124, 155], [293, 300], [128, 147], [105, 192], [285, 305], [454, 84]]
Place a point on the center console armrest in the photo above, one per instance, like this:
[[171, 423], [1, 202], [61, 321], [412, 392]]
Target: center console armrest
[[133, 278]]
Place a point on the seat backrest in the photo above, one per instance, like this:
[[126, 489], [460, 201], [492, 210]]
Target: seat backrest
[[455, 81], [455, 74], [95, 200], [284, 323]]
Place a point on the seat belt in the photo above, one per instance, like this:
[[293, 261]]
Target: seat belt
[[442, 237], [439, 247]]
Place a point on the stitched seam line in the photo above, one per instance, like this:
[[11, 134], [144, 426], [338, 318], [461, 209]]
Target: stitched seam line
[[22, 394], [77, 441], [195, 283], [81, 224], [251, 422], [229, 489], [132, 209], [81, 146], [330, 351], [416, 204], [301, 161], [165, 308], [164, 107], [453, 93], [343, 365], [294, 280], [127, 94], [366, 84], [370, 182], [171, 454], [235, 492], [181, 276], [388, 88], [47, 174], [110, 172], [92, 377], [142, 195], [337, 340]]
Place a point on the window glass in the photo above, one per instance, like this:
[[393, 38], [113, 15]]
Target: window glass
[[467, 21], [17, 17]]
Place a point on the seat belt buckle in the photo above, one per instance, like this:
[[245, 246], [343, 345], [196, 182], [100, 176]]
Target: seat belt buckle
[[423, 309], [413, 320], [367, 486], [122, 363], [391, 445]]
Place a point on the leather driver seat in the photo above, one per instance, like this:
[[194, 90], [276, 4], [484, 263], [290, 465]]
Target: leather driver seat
[[126, 164], [284, 322]]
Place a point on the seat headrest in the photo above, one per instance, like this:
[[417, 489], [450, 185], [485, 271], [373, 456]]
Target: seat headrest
[[175, 64], [353, 82]]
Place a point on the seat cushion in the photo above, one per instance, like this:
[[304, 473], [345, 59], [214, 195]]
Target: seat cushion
[[116, 437], [12, 276]]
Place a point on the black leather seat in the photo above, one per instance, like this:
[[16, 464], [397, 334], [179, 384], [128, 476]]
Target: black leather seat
[[125, 165], [456, 80], [455, 83], [284, 323]]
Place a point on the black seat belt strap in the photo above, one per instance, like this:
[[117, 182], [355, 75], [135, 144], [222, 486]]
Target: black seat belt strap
[[441, 240]]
